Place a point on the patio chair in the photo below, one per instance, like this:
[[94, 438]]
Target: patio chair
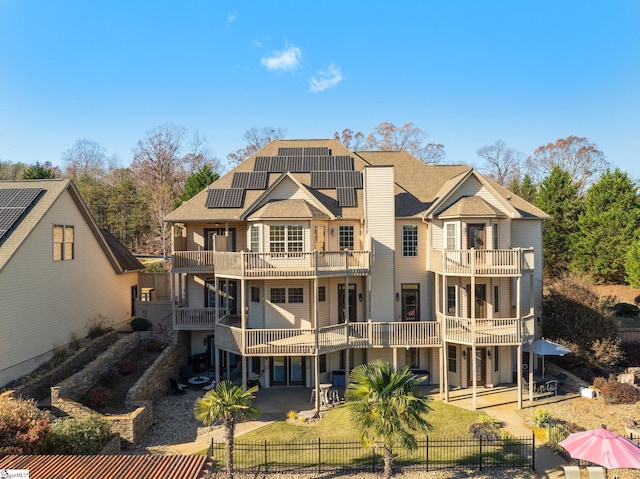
[[571, 472], [551, 387], [177, 388], [596, 472]]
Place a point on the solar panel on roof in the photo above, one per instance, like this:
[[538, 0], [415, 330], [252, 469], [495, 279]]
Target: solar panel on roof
[[346, 196], [225, 198], [304, 151], [14, 204], [262, 163], [250, 180], [336, 179]]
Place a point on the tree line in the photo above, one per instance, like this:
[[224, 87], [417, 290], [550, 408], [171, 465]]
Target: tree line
[[594, 209]]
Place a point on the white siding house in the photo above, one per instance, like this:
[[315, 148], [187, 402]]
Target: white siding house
[[59, 274]]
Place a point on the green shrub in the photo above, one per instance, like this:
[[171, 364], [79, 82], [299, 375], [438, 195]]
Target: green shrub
[[23, 427], [627, 310], [140, 324], [154, 345], [615, 392], [541, 417], [99, 397], [487, 427], [82, 435]]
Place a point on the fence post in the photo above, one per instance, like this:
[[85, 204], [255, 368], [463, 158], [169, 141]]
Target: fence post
[[319, 458], [266, 456], [533, 451], [480, 455], [426, 458]]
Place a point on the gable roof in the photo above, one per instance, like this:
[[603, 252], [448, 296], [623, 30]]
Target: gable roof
[[51, 191], [110, 467], [420, 189], [471, 206], [124, 257]]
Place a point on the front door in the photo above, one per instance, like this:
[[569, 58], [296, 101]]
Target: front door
[[410, 302], [228, 295], [287, 371], [210, 234], [481, 374], [480, 305], [352, 303]]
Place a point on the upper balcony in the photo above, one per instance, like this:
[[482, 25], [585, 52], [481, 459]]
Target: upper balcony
[[482, 262], [273, 265]]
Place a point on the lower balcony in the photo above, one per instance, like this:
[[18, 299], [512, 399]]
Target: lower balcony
[[194, 319], [304, 342]]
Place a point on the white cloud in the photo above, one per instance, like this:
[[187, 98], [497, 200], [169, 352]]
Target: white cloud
[[231, 17], [326, 79], [283, 60]]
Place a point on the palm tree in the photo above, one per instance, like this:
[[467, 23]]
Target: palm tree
[[386, 409], [228, 402]]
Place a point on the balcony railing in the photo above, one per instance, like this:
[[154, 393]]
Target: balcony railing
[[482, 262], [273, 265], [483, 331], [277, 342], [194, 318]]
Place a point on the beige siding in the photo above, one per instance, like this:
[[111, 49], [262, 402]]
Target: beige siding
[[412, 269], [528, 234], [287, 315], [380, 221], [46, 303]]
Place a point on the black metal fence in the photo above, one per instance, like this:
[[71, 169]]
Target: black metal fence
[[350, 457]]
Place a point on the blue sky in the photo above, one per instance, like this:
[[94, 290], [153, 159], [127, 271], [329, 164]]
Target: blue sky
[[467, 72]]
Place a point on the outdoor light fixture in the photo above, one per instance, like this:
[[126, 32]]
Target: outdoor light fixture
[[464, 354], [489, 354], [397, 296], [360, 297], [333, 231]]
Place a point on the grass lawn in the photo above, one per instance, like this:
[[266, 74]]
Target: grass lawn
[[447, 421]]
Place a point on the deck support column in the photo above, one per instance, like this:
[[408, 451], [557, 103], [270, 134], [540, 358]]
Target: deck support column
[[243, 325], [316, 326]]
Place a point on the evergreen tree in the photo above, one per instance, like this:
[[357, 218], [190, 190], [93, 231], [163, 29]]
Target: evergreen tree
[[607, 227], [525, 188], [198, 181], [558, 197], [632, 264], [38, 172]]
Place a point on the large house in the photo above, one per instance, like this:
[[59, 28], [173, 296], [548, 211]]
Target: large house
[[308, 259], [60, 275]]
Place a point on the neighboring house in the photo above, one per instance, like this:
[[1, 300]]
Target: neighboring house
[[59, 274], [308, 259]]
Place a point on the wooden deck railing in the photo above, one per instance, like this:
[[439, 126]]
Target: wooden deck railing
[[273, 265], [483, 331], [481, 262], [304, 342]]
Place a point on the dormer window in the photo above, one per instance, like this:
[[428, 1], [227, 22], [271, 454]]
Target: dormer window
[[286, 239]]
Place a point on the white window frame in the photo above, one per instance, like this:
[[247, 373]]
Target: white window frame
[[290, 244], [254, 238], [455, 228], [346, 237], [410, 240]]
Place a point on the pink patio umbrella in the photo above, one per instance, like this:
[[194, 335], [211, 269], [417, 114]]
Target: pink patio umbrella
[[603, 447]]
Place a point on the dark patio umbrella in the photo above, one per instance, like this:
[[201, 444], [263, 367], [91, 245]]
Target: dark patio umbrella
[[544, 347]]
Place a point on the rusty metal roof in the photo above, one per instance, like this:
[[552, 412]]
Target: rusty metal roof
[[110, 467]]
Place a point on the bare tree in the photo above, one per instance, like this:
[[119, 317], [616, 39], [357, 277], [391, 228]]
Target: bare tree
[[160, 170], [200, 155], [388, 137], [502, 162], [582, 159], [256, 138], [85, 157], [350, 139]]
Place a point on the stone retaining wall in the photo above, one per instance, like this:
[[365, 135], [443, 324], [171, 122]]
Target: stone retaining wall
[[152, 385], [39, 387]]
